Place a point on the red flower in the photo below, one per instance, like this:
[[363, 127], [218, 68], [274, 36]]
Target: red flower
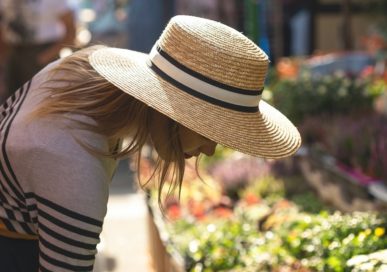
[[251, 199], [223, 212], [197, 209], [367, 71], [174, 212]]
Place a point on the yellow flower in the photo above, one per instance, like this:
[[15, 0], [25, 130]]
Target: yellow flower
[[379, 232], [367, 231]]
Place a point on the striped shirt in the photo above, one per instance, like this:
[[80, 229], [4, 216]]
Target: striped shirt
[[51, 188]]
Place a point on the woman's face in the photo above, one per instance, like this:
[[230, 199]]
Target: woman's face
[[192, 143]]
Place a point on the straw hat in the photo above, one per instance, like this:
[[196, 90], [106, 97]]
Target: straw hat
[[209, 78]]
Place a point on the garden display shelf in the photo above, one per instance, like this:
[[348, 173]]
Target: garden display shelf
[[163, 259], [344, 188]]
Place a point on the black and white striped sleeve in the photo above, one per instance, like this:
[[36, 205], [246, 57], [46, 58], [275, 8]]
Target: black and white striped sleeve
[[68, 188], [67, 239]]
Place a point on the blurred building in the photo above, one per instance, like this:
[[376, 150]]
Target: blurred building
[[304, 27], [280, 27], [146, 21]]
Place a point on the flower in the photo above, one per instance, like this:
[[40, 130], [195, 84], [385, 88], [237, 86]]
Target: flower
[[251, 199], [379, 232], [287, 68], [174, 212], [223, 212], [197, 209]]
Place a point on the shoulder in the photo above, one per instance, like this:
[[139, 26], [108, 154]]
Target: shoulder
[[55, 134], [51, 134]]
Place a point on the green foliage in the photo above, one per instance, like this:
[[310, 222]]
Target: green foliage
[[331, 94], [327, 242], [215, 246], [289, 238], [308, 202], [262, 231]]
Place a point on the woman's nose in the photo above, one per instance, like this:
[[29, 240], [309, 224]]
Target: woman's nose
[[209, 148]]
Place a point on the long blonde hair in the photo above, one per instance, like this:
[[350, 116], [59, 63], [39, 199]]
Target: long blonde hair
[[83, 91]]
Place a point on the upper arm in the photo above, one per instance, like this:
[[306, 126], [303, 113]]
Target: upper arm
[[71, 198]]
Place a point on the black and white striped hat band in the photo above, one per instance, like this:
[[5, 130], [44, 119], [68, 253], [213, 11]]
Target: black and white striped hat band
[[200, 86]]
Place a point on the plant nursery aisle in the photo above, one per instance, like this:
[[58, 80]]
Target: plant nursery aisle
[[124, 239]]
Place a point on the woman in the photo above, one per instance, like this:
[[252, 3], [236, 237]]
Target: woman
[[62, 132]]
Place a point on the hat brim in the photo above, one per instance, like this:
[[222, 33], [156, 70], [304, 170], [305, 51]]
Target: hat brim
[[267, 133]]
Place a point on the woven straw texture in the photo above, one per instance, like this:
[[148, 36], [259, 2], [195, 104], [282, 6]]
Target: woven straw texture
[[222, 54]]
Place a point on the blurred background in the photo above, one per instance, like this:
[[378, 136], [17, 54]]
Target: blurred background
[[321, 210]]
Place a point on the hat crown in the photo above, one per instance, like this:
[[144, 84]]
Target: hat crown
[[215, 51]]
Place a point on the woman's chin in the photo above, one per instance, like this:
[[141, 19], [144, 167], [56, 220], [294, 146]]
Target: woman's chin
[[187, 156]]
